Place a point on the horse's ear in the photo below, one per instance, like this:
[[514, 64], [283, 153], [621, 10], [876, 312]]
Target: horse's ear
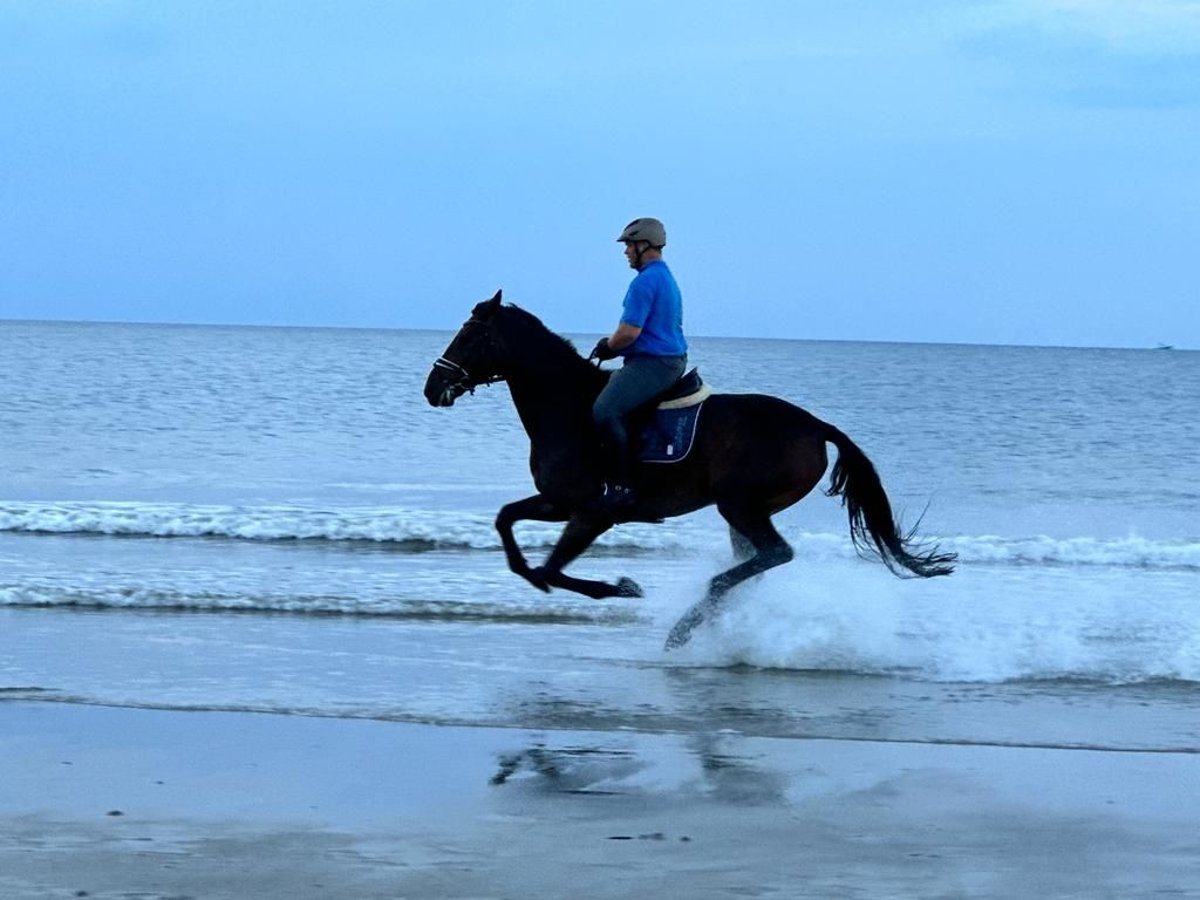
[[488, 308]]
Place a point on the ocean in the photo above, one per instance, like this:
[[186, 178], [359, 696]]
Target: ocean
[[273, 519]]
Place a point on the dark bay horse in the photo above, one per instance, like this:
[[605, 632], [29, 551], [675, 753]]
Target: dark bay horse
[[753, 456]]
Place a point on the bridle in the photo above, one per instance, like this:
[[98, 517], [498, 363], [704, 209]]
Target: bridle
[[464, 380]]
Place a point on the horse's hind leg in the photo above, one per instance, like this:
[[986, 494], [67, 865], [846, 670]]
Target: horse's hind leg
[[742, 548], [580, 534], [769, 550]]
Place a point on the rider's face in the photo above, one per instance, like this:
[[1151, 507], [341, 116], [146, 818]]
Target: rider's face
[[631, 253]]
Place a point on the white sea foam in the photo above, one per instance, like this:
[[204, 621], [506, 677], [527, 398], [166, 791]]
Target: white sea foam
[[1132, 551], [465, 530], [535, 609], [982, 625]]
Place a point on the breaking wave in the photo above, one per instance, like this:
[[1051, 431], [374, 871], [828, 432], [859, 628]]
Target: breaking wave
[[536, 611], [417, 529]]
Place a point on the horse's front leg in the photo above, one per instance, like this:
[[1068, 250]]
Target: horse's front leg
[[580, 533], [538, 508]]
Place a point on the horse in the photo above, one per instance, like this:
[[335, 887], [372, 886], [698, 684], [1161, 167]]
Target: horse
[[753, 456]]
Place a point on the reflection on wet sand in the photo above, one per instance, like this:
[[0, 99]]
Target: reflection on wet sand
[[709, 771]]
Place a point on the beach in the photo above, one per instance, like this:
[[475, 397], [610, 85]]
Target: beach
[[260, 638], [106, 802]]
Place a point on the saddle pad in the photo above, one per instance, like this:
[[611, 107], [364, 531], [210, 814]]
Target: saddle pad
[[668, 436]]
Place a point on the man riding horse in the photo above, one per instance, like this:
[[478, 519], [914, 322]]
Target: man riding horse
[[650, 338], [752, 455]]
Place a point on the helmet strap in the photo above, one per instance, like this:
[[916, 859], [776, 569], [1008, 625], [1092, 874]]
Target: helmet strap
[[639, 248]]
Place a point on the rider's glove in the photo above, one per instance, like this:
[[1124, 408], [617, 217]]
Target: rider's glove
[[603, 351]]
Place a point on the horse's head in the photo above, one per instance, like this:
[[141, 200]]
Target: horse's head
[[471, 359]]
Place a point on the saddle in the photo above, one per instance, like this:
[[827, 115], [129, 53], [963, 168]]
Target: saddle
[[666, 427], [689, 390]]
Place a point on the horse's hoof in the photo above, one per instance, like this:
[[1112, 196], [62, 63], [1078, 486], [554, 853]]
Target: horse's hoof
[[678, 636], [681, 633], [627, 587], [538, 579]]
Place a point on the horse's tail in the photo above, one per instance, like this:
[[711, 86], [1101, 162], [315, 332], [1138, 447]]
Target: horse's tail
[[873, 528]]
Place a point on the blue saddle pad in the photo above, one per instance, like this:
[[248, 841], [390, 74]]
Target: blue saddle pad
[[667, 437]]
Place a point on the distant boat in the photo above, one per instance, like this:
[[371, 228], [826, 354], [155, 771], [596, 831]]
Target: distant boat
[[1165, 347]]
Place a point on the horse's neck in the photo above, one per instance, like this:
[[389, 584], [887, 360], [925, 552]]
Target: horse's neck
[[555, 406], [552, 388]]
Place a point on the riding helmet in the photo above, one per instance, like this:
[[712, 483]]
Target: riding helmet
[[645, 229]]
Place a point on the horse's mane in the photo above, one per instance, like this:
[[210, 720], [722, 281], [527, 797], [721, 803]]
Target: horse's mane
[[538, 345]]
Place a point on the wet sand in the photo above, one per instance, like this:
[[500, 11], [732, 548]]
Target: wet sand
[[107, 802]]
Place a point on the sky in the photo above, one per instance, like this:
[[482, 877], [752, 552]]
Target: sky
[[976, 171]]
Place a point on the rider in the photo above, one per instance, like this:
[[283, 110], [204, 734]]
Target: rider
[[650, 338]]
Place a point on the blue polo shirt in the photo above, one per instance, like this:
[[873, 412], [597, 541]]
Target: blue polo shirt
[[653, 304]]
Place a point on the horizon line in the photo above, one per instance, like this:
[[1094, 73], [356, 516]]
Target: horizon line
[[451, 330]]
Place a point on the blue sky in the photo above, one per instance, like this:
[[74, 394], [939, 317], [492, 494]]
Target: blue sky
[[1010, 171]]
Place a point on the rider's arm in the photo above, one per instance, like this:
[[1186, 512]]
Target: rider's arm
[[624, 336]]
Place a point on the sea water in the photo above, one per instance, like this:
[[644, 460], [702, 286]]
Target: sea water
[[275, 520]]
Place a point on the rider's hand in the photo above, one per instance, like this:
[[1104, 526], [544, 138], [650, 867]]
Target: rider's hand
[[603, 351]]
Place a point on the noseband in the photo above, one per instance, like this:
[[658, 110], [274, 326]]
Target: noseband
[[463, 378]]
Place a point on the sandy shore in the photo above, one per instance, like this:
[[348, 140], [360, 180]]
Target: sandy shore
[[106, 802]]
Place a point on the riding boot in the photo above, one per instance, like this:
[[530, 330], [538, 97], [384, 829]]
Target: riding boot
[[616, 495]]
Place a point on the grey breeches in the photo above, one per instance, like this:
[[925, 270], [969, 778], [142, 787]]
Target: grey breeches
[[638, 381]]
